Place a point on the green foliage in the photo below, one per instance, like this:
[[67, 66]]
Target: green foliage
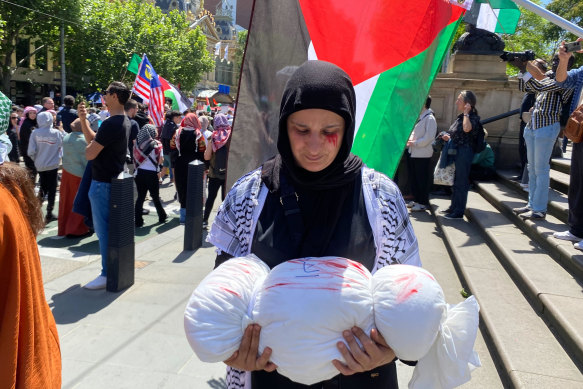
[[571, 10], [530, 36], [537, 34], [115, 29], [241, 42], [17, 22]]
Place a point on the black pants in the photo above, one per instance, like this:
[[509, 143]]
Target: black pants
[[383, 377], [147, 180], [576, 191], [29, 163], [419, 179], [48, 187], [214, 185]]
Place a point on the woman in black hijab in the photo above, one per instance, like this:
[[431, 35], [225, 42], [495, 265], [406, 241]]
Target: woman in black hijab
[[314, 199]]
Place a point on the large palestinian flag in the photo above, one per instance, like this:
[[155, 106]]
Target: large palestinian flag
[[391, 49]]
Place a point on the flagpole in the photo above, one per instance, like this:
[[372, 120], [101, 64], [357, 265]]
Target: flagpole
[[551, 17]]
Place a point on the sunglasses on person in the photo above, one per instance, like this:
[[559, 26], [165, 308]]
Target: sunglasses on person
[[13, 117]]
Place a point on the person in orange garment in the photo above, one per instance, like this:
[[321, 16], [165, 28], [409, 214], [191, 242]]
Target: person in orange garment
[[72, 224], [30, 356]]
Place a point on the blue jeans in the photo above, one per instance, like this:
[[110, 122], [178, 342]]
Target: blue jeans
[[99, 195], [461, 182], [539, 147]]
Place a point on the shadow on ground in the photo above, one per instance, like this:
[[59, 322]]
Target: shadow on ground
[[76, 303]]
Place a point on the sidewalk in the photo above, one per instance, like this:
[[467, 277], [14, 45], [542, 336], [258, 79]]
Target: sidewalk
[[135, 338]]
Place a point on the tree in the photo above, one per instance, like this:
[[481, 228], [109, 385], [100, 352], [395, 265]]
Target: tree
[[531, 34], [240, 51], [571, 10], [114, 30], [27, 19]]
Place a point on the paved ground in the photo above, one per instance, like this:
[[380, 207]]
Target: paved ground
[[135, 338]]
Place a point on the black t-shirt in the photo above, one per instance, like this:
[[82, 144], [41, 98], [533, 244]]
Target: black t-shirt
[[135, 128], [112, 136], [67, 116]]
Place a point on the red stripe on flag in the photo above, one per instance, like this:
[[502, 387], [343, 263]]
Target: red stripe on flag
[[156, 106], [369, 44]]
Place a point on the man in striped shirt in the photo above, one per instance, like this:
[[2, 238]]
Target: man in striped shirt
[[541, 132]]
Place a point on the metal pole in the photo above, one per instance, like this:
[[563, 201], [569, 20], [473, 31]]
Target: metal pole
[[551, 17], [63, 71]]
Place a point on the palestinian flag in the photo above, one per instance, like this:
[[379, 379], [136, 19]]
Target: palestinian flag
[[392, 51], [499, 16], [179, 100]]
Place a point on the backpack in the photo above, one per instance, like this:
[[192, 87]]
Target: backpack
[[220, 165], [479, 139]]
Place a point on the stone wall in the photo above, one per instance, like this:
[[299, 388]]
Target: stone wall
[[485, 75]]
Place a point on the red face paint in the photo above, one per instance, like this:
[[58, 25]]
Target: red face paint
[[332, 139]]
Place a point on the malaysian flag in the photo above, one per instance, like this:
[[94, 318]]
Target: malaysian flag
[[156, 101], [142, 83]]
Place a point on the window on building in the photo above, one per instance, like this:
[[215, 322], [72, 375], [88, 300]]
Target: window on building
[[22, 50]]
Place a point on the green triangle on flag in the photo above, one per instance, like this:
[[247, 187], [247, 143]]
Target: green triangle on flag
[[134, 64], [498, 16]]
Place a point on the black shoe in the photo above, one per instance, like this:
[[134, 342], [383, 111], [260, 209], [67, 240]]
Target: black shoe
[[453, 216], [446, 211], [145, 211], [50, 217], [162, 219], [139, 224]]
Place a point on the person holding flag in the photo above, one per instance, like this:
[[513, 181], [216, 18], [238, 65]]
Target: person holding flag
[[314, 199]]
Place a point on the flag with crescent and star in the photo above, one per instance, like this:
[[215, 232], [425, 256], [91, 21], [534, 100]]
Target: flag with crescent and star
[[143, 79]]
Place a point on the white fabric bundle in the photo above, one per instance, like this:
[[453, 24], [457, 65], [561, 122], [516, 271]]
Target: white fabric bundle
[[217, 314], [412, 316], [303, 307]]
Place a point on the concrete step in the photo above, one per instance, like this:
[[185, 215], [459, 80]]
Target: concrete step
[[561, 164], [540, 231], [552, 291], [560, 181], [436, 259], [558, 201], [530, 354]]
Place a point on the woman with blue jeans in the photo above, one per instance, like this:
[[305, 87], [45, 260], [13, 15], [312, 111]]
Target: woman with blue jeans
[[462, 137]]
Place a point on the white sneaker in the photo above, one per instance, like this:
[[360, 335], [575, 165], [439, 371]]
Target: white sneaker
[[418, 207], [579, 245], [411, 204], [566, 235], [99, 283]]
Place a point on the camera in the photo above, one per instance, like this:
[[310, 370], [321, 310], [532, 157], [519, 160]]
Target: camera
[[523, 56], [573, 46]]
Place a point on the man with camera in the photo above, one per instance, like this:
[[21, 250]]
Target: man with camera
[[573, 79], [541, 132], [107, 149]]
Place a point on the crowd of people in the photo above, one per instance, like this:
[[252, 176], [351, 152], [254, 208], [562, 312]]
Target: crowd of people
[[84, 148], [313, 199]]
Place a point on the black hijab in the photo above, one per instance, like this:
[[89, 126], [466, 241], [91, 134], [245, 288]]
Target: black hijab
[[323, 85]]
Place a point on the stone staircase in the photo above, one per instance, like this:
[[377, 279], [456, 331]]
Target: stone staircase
[[529, 284]]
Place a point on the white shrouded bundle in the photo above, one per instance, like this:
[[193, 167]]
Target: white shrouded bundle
[[412, 316], [304, 306], [217, 314]]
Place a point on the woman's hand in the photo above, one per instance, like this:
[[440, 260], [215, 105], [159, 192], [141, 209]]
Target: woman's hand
[[445, 137], [374, 352], [467, 109], [246, 358]]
